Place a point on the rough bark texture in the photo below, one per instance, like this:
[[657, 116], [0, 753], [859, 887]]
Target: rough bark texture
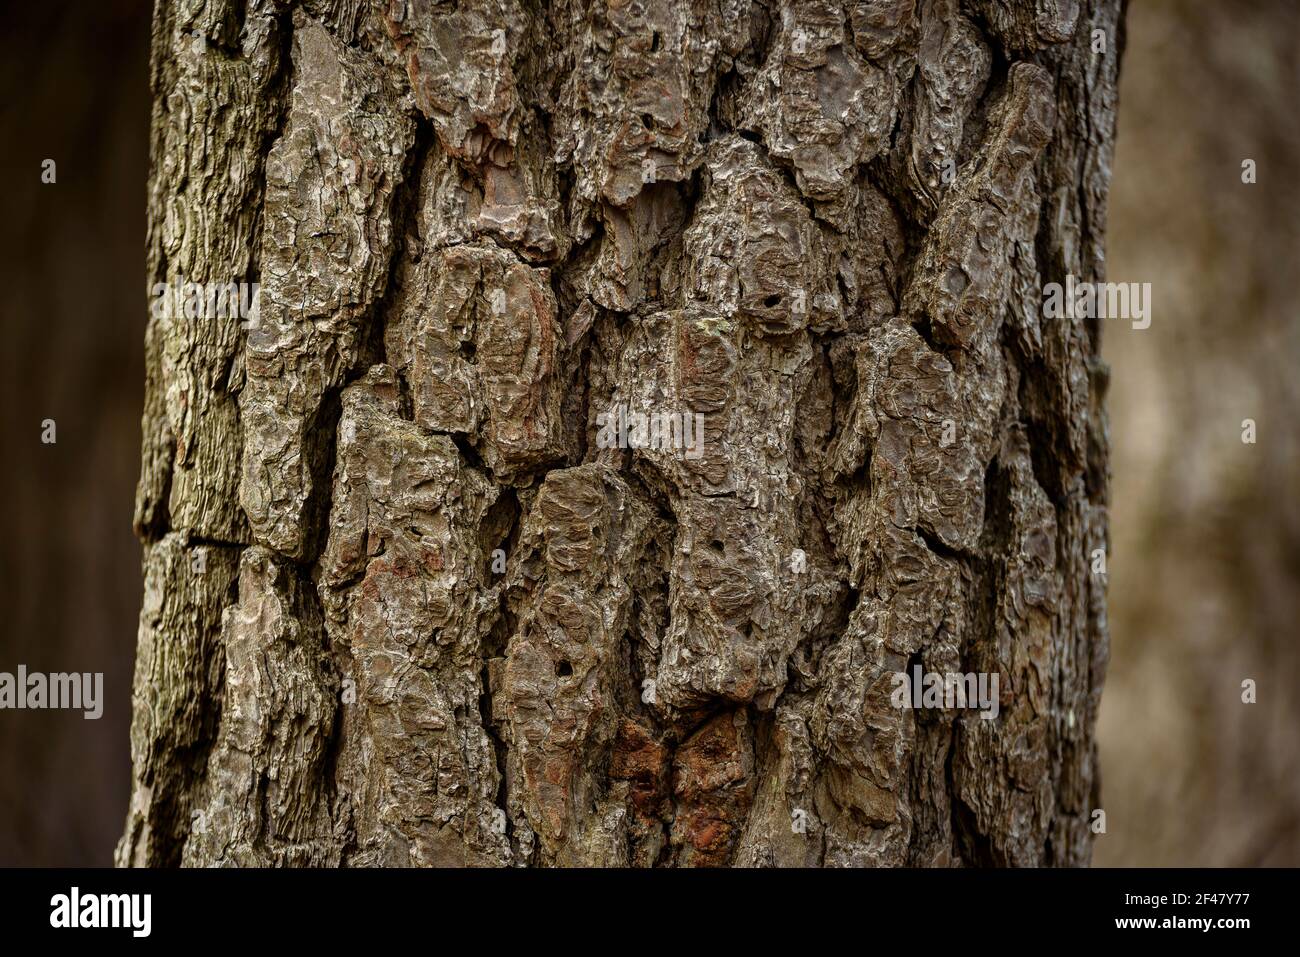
[[479, 225]]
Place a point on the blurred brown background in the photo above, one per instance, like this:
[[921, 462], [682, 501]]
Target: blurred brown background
[[74, 87], [1205, 531]]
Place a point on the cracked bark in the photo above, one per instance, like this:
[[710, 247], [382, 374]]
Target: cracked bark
[[437, 622]]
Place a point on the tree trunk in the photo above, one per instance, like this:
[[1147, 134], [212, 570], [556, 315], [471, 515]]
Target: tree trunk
[[414, 596]]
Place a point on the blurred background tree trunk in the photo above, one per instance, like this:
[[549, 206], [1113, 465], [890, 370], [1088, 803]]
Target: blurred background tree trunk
[[1207, 527], [403, 605], [75, 91]]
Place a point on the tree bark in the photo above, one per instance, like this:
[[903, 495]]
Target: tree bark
[[404, 605]]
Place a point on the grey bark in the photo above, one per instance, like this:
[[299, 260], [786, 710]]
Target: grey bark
[[477, 227]]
